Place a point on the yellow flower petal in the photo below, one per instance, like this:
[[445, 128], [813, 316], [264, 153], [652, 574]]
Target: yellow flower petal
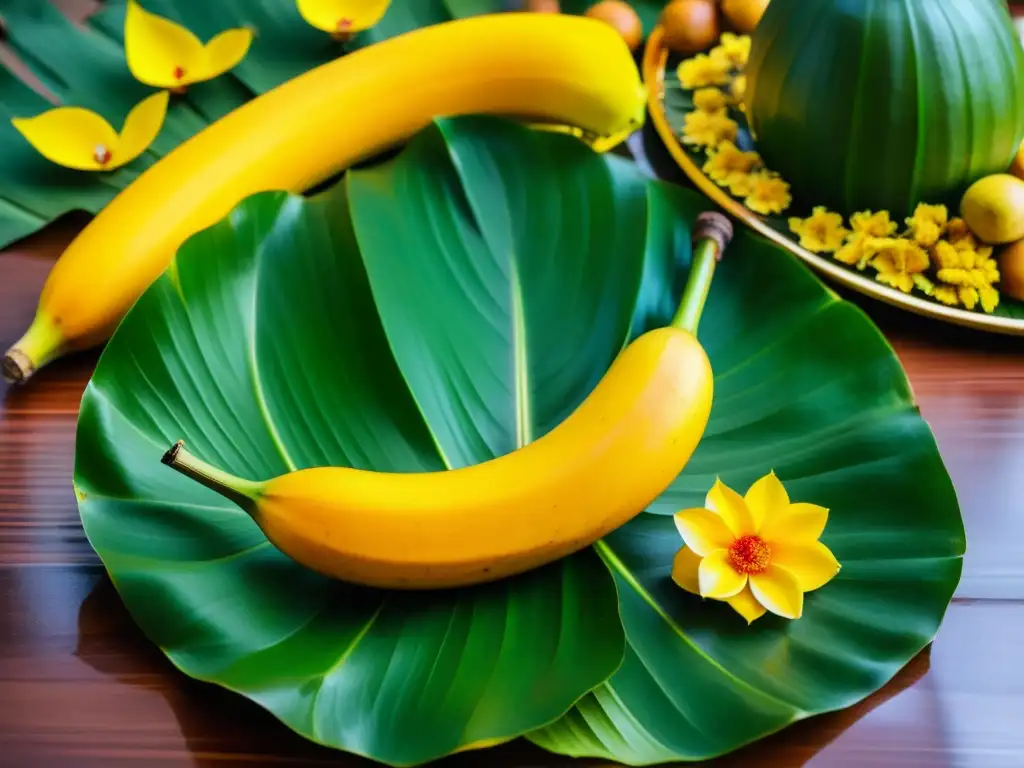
[[766, 499], [684, 570], [141, 127], [746, 605], [798, 523], [779, 591], [69, 136], [342, 16], [225, 50], [812, 564], [717, 578], [702, 530], [732, 509], [160, 52]]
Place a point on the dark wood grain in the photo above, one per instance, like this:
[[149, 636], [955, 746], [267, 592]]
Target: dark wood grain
[[80, 685]]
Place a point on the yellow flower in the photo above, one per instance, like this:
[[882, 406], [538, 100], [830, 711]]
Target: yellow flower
[[896, 261], [342, 18], [959, 235], [852, 252], [738, 89], [703, 70], [823, 232], [928, 223], [768, 193], [710, 100], [758, 552], [727, 165], [873, 224], [966, 275], [734, 49], [78, 138], [164, 54], [708, 129], [741, 184]]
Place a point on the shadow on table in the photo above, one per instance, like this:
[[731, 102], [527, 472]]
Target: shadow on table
[[219, 725]]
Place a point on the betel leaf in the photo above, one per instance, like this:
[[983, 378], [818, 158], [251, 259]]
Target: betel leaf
[[441, 308]]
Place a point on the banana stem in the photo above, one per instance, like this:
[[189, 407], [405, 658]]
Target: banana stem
[[244, 493], [711, 236]]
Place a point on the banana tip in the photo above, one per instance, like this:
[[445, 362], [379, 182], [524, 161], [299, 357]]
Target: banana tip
[[714, 226], [17, 367], [171, 456]]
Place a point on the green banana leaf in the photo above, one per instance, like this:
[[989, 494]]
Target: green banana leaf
[[441, 308], [678, 102], [85, 66]]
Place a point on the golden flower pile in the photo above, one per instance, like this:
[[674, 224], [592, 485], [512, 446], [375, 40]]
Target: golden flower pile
[[933, 254], [718, 84]]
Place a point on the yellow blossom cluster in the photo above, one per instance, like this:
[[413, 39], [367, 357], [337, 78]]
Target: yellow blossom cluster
[[718, 85], [935, 254]]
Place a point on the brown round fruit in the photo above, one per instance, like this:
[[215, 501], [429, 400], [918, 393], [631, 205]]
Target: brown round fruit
[[544, 6], [1011, 271], [621, 16], [690, 26], [744, 15]]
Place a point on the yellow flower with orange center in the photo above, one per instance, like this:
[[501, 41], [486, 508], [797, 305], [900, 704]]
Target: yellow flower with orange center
[[896, 260], [759, 552], [864, 224]]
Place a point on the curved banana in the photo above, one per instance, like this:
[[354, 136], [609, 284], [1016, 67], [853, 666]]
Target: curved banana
[[623, 445], [568, 71]]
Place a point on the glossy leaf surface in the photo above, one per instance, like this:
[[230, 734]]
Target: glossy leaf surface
[[442, 308]]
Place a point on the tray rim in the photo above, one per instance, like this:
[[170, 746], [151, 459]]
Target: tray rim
[[655, 59]]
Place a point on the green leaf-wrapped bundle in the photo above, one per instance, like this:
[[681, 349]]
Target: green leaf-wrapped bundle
[[882, 104]]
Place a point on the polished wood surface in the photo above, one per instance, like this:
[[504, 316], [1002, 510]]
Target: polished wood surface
[[80, 685]]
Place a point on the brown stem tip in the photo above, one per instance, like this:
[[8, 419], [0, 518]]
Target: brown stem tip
[[17, 367], [714, 226], [171, 456]]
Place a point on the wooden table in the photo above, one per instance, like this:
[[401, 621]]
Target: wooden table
[[79, 683]]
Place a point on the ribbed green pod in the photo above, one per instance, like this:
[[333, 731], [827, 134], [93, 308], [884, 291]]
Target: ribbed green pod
[[881, 104]]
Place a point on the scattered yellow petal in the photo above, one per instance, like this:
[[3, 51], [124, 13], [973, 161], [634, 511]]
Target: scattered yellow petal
[[989, 298], [768, 194], [708, 129], [822, 232], [342, 17], [703, 70], [779, 591], [853, 252], [164, 54], [80, 139], [710, 99], [717, 578], [947, 294]]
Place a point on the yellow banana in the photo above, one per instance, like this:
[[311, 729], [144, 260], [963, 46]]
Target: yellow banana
[[561, 70], [602, 466]]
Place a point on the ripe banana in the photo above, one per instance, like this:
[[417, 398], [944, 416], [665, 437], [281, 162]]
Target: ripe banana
[[624, 444], [568, 72]]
